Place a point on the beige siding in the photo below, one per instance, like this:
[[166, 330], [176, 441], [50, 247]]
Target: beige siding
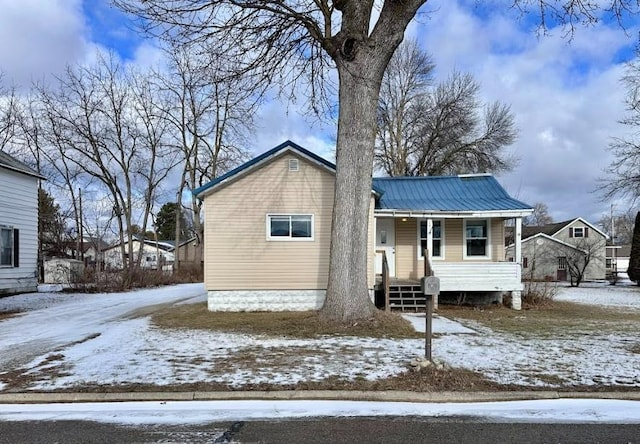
[[406, 253], [453, 239], [371, 274], [238, 255], [497, 240], [408, 266]]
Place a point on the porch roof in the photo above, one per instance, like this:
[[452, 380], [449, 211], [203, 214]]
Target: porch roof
[[464, 193]]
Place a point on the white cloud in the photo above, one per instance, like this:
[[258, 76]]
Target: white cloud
[[565, 95], [40, 37]]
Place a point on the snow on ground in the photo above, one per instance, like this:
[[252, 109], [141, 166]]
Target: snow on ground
[[625, 294], [68, 340], [200, 412]]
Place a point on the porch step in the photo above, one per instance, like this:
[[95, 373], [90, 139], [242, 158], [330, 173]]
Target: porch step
[[406, 297]]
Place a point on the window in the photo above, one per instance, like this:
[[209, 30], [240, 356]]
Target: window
[[525, 262], [437, 250], [579, 232], [562, 263], [293, 165], [290, 227], [6, 246], [476, 235]]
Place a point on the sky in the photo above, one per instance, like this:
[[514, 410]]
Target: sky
[[565, 93]]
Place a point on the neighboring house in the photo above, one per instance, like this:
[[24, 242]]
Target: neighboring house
[[549, 251], [617, 260], [90, 249], [152, 254], [268, 227], [18, 226], [190, 252]]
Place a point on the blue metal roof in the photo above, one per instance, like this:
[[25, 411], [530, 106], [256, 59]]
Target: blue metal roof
[[288, 145], [445, 193]]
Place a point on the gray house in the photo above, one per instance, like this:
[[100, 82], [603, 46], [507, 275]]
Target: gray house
[[559, 250], [18, 226]]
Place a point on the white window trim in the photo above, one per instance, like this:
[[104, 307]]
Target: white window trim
[[581, 232], [464, 240], [11, 231], [442, 249], [289, 238]]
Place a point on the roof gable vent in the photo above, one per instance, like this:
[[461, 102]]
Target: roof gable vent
[[293, 165]]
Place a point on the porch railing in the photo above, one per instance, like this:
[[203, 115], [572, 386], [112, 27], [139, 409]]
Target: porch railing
[[385, 280]]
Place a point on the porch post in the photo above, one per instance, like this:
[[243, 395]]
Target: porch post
[[430, 240], [517, 240], [516, 296]]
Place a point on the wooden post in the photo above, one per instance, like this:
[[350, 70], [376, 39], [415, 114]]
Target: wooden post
[[428, 326], [427, 263], [430, 289]]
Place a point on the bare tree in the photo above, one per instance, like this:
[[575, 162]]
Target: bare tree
[[106, 122], [425, 130], [619, 226], [295, 42], [8, 114], [539, 217], [210, 118], [402, 109], [578, 260], [622, 174]]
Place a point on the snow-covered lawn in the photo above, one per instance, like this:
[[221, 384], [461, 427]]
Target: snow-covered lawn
[[68, 340]]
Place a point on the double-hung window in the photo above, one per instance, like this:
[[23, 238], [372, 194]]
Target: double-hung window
[[578, 232], [476, 235], [437, 246], [290, 226], [6, 246]]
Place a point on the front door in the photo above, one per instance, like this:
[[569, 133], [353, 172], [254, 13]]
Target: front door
[[562, 268], [386, 241]]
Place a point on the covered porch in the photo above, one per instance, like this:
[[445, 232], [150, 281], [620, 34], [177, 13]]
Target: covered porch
[[465, 251]]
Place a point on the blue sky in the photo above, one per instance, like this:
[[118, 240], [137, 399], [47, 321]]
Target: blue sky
[[565, 93]]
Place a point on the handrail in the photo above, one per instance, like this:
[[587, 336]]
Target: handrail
[[385, 280], [428, 269]]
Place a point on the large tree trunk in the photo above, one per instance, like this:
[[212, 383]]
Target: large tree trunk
[[347, 297]]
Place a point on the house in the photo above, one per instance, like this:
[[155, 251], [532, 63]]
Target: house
[[18, 226], [189, 252], [552, 251], [152, 254], [90, 249], [268, 225], [617, 260]]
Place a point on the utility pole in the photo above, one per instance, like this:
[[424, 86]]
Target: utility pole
[[614, 262], [176, 257]]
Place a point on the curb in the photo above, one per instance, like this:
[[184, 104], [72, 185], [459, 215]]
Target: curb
[[383, 396]]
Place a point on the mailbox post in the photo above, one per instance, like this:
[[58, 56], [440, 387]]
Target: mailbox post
[[430, 289]]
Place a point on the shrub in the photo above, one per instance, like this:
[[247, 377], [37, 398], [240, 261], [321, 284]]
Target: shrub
[[539, 293]]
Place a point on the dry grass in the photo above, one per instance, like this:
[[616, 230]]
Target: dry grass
[[548, 320], [425, 380], [289, 324], [8, 314]]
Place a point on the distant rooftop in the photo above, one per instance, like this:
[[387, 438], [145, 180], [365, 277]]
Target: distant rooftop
[[11, 163]]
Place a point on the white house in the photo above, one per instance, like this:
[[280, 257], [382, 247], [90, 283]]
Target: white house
[[152, 253], [18, 226]]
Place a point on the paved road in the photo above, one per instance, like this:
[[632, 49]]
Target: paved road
[[310, 431]]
